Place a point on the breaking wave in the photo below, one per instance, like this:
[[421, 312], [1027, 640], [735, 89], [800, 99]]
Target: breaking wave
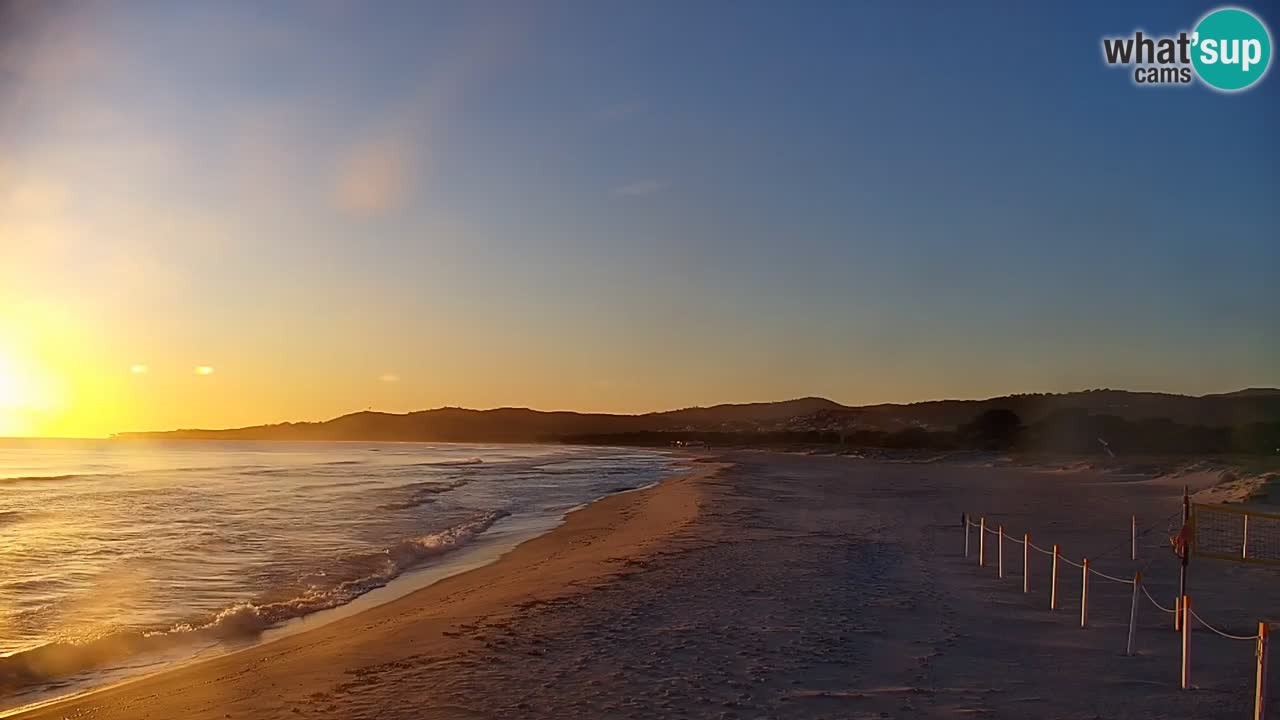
[[362, 573], [53, 478], [450, 463], [424, 494]]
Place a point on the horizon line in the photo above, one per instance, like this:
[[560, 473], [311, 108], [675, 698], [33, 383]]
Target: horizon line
[[116, 435]]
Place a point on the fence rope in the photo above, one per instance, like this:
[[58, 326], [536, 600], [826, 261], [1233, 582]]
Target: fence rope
[[1153, 600], [1109, 577], [1151, 527], [1112, 578], [1037, 547], [1187, 613], [1229, 636]]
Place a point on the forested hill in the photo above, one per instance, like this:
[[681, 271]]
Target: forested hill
[[1242, 409]]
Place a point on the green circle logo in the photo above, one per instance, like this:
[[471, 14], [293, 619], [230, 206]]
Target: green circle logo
[[1231, 49]]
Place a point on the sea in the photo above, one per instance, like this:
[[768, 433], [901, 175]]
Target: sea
[[121, 557]]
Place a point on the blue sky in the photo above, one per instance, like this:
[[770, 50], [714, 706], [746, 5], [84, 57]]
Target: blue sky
[[628, 206]]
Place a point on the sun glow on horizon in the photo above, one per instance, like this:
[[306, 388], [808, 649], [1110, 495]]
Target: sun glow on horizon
[[24, 394], [10, 423], [378, 217]]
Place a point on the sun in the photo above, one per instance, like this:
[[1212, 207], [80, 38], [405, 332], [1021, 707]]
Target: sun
[[20, 396], [10, 390], [11, 423]]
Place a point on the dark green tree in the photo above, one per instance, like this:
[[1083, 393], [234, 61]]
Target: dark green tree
[[995, 429]]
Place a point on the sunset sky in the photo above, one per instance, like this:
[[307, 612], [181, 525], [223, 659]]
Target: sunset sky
[[226, 213]]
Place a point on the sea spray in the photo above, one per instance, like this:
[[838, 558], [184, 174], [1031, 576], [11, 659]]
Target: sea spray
[[242, 620], [118, 557]]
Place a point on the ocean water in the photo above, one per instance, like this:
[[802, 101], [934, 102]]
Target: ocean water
[[117, 556]]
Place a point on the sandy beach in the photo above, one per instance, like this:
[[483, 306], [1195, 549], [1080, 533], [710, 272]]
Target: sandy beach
[[639, 361], [768, 586]]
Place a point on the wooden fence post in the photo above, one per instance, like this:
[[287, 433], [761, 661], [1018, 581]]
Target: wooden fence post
[[1000, 552], [1260, 691], [1026, 552], [1053, 586], [982, 541], [1084, 594], [966, 534], [1133, 611], [1133, 537], [1244, 544], [1186, 641]]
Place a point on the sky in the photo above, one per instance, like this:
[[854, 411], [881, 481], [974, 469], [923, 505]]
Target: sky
[[232, 213]]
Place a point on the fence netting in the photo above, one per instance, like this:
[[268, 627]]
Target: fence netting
[[1231, 533]]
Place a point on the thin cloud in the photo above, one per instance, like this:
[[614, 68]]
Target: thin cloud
[[44, 45], [381, 170], [640, 188], [374, 178], [390, 378]]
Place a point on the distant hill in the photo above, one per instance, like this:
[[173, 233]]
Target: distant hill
[[1241, 408], [1230, 409]]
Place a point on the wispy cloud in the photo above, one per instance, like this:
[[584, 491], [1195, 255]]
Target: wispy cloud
[[375, 178], [640, 187], [47, 45], [380, 172]]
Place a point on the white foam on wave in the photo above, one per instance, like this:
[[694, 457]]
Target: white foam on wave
[[450, 463], [52, 478], [242, 620], [251, 618]]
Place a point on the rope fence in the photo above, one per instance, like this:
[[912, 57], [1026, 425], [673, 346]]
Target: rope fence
[[1078, 565], [1228, 636], [1037, 547], [1109, 577], [1181, 611], [1159, 607]]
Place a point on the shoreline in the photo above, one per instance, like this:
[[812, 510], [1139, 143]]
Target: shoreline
[[571, 550], [487, 549], [768, 585]]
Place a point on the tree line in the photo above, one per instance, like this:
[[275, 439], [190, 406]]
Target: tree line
[[1073, 431]]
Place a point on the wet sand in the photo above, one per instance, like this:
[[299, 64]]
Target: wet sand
[[767, 586]]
